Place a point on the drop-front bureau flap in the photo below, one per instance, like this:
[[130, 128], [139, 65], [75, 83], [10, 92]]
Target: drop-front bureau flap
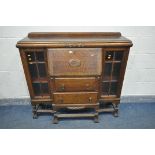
[[74, 61]]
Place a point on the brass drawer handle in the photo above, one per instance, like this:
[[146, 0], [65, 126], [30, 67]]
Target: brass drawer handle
[[89, 87], [61, 101], [90, 99], [62, 88]]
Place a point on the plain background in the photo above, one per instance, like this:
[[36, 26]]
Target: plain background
[[77, 13], [139, 76]]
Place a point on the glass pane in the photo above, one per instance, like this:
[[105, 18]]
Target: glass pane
[[30, 56], [116, 71], [107, 71], [105, 88], [33, 70], [42, 70], [40, 56], [118, 55], [36, 89], [44, 88], [109, 56], [113, 88]]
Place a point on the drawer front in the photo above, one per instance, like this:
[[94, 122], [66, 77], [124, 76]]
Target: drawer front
[[76, 84], [75, 98], [74, 61]]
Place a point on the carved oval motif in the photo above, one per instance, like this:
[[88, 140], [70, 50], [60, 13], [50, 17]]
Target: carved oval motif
[[74, 62]]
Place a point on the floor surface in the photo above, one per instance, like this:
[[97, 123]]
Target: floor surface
[[132, 116]]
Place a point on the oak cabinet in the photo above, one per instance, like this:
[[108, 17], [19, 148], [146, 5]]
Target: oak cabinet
[[74, 70]]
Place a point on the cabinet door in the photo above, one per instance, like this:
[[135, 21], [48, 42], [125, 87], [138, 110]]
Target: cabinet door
[[113, 71], [35, 67]]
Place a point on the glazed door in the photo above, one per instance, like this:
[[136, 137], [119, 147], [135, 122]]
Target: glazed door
[[35, 67], [113, 71]]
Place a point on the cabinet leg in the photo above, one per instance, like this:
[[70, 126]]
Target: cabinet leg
[[96, 119], [115, 113], [55, 119], [34, 112]]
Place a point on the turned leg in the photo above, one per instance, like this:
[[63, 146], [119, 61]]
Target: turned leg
[[55, 119], [34, 112], [115, 112], [96, 119]]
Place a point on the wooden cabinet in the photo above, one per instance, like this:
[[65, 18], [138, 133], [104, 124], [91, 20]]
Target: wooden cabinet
[[74, 70]]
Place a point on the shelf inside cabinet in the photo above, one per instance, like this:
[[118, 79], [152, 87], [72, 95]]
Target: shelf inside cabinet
[[42, 80], [112, 61]]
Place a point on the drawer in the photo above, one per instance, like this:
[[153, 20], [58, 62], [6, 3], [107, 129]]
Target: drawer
[[76, 84], [75, 97], [74, 61]]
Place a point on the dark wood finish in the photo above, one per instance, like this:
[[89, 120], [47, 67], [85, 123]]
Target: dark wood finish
[[75, 61], [80, 115], [75, 97], [74, 70], [73, 34], [74, 39], [76, 84], [86, 105]]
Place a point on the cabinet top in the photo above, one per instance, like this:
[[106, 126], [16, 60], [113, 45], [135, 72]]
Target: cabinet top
[[74, 39]]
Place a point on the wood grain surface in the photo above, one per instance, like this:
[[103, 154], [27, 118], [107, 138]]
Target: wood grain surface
[[90, 61]]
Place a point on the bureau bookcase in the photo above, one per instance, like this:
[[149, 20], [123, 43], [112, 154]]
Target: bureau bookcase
[[75, 71]]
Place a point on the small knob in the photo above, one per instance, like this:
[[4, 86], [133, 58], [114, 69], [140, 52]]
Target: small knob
[[89, 87], [61, 101], [70, 52], [62, 87], [30, 59], [90, 99], [28, 55]]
